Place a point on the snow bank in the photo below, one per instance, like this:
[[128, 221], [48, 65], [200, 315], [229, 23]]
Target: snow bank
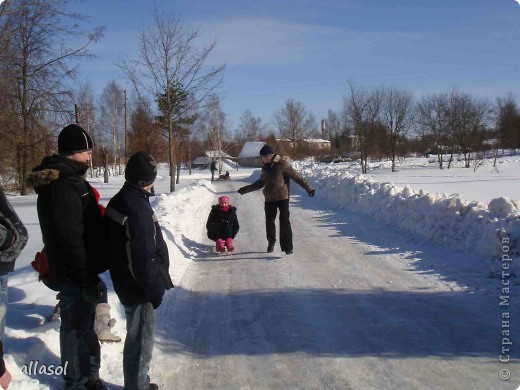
[[182, 216], [446, 220]]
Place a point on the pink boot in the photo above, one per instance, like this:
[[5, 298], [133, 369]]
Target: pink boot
[[220, 245], [230, 244]]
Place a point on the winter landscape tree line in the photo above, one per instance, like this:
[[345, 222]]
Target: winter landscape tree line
[[174, 111]]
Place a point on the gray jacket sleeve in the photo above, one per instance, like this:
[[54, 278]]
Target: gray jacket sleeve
[[15, 234]]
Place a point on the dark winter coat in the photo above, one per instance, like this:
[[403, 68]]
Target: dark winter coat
[[72, 227], [139, 260], [222, 224], [16, 230], [2, 362], [275, 180]]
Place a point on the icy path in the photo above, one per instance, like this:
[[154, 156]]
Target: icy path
[[340, 313]]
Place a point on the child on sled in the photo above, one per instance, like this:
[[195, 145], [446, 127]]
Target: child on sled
[[222, 225], [224, 176]]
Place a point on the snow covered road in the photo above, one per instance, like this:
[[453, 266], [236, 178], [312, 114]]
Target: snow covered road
[[340, 313]]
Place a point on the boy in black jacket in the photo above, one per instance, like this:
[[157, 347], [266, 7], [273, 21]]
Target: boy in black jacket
[[72, 231], [139, 266], [222, 225]]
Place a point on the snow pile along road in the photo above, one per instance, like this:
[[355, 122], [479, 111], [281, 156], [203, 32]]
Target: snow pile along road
[[446, 220], [182, 216]]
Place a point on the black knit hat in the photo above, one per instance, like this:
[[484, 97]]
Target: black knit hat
[[266, 150], [141, 169], [73, 139]]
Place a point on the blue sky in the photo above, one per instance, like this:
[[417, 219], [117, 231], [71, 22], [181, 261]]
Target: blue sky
[[308, 49]]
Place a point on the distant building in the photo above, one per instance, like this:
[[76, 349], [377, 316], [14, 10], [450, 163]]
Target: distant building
[[209, 155], [317, 145], [249, 156]]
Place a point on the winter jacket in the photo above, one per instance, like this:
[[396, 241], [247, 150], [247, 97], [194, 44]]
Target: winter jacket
[[139, 260], [222, 224], [2, 362], [13, 235], [72, 227], [275, 180]]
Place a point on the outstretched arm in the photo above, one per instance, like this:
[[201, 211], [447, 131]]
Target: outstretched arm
[[257, 185], [294, 175]]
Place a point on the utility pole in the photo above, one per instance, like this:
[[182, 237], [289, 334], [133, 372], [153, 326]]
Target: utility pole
[[77, 111], [78, 114], [126, 150]]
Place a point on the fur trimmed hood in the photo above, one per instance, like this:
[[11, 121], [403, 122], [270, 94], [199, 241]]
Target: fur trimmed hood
[[41, 178], [51, 169]]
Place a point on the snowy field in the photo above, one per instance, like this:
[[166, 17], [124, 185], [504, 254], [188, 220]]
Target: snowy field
[[457, 209]]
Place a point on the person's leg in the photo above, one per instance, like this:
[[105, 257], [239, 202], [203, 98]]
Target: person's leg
[[79, 346], [137, 353], [285, 226], [104, 291], [3, 303], [270, 228], [104, 321]]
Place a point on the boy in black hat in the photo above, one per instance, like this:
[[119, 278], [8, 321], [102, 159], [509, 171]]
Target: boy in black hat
[[275, 180], [138, 267], [72, 232]]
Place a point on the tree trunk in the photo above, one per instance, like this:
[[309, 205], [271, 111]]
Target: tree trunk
[[171, 146]]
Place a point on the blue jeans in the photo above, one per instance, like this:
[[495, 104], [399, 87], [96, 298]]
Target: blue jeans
[[3, 303], [137, 353], [79, 345]]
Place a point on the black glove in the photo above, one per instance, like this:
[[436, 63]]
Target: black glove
[[156, 302], [241, 191], [311, 193]]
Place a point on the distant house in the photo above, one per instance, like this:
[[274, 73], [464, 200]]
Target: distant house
[[209, 155], [305, 147], [317, 145], [249, 156]]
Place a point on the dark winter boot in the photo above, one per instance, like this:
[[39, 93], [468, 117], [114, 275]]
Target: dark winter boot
[[104, 323], [153, 386], [270, 247]]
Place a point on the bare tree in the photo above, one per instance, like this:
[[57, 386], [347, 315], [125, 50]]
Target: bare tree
[[294, 123], [468, 117], [212, 123], [508, 122], [397, 116], [111, 107], [251, 128], [172, 59], [334, 127], [40, 61], [433, 117], [363, 110], [145, 134], [86, 118]]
